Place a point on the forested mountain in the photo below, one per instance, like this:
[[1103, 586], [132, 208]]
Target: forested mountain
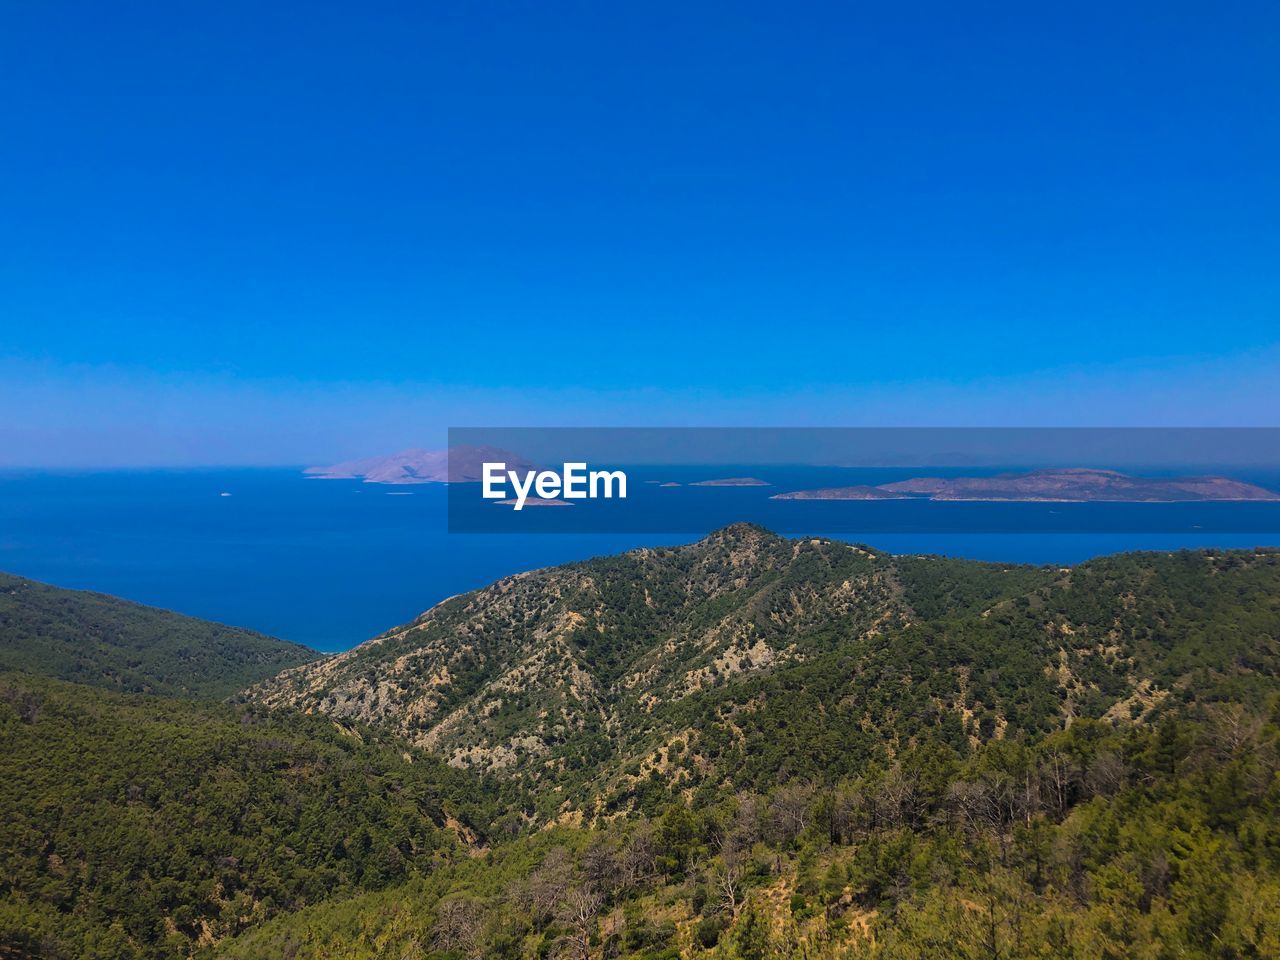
[[553, 675], [1115, 842], [136, 826], [747, 657], [745, 748], [100, 640], [922, 758]]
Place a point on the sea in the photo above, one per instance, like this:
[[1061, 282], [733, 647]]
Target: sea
[[330, 563]]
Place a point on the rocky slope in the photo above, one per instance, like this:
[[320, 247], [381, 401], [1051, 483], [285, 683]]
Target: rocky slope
[[580, 676], [745, 655], [550, 663], [919, 758]]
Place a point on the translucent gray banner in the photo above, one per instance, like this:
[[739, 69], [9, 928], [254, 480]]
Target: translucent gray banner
[[864, 480]]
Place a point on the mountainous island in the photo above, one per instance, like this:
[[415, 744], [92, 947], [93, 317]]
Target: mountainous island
[[745, 748], [842, 493], [1063, 485], [732, 482], [460, 464]]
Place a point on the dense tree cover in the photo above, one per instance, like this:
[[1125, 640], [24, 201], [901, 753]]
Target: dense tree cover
[[768, 657], [134, 826], [1112, 638], [750, 748], [570, 677], [1201, 621], [942, 587], [1055, 763], [106, 642], [1097, 842]]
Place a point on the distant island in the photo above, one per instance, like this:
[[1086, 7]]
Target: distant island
[[732, 482], [1071, 485], [842, 493], [456, 465]]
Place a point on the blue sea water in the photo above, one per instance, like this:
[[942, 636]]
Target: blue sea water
[[331, 563]]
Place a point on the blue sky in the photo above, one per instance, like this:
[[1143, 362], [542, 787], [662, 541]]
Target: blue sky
[[264, 233]]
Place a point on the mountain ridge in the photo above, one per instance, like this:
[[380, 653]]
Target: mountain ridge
[[718, 750], [104, 641], [1030, 761], [568, 677], [571, 634]]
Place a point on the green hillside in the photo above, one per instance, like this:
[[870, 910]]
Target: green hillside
[[564, 677], [138, 827], [745, 748], [924, 758], [608, 685], [106, 642], [1129, 842]]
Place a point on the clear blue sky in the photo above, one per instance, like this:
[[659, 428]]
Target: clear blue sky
[[253, 233]]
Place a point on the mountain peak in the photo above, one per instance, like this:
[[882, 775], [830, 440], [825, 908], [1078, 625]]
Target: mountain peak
[[741, 532], [598, 655]]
